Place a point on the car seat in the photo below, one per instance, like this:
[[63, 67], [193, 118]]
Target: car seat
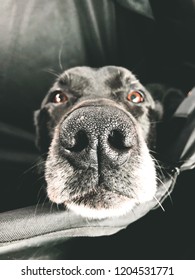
[[40, 39]]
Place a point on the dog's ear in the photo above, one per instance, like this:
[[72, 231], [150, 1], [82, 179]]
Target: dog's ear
[[171, 101], [166, 100]]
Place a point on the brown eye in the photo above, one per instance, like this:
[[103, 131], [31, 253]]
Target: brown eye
[[135, 97], [59, 97]]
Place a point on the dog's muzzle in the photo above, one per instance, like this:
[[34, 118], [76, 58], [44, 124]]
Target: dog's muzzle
[[98, 163], [96, 136]]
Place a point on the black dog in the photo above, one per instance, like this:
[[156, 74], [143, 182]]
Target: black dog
[[97, 126]]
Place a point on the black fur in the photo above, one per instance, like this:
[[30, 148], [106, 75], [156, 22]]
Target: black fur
[[98, 142]]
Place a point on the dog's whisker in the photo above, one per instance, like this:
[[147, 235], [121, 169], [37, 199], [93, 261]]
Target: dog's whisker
[[166, 189], [36, 164], [159, 168], [58, 207], [159, 203], [60, 58], [37, 205], [39, 199], [30, 169], [51, 71], [40, 190], [33, 168], [44, 201], [51, 207]]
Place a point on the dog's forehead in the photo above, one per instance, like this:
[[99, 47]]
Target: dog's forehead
[[109, 76]]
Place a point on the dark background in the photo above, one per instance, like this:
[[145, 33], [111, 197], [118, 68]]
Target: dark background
[[40, 39]]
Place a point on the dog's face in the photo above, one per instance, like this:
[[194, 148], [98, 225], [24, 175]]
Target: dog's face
[[95, 125]]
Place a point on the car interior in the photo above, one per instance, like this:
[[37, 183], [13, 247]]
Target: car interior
[[41, 39]]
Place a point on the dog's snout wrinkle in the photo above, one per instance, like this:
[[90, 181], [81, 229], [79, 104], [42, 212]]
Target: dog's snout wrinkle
[[95, 137]]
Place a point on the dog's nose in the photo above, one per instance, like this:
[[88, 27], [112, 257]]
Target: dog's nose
[[97, 135]]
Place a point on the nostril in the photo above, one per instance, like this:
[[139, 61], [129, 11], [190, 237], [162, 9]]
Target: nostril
[[116, 140], [81, 142]]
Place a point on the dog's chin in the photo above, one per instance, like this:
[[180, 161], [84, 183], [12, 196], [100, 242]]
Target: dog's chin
[[122, 206], [103, 203], [96, 204]]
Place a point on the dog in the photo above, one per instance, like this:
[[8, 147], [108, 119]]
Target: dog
[[96, 128]]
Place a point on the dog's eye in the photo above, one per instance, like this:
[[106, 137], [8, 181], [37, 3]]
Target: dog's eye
[[135, 97], [59, 97]]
